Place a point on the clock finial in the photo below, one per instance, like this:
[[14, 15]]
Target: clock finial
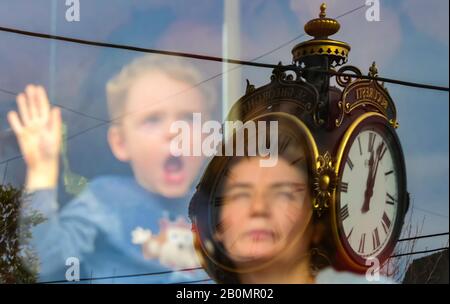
[[321, 45], [323, 7], [373, 70]]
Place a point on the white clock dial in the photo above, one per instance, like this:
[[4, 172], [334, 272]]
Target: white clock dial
[[369, 194]]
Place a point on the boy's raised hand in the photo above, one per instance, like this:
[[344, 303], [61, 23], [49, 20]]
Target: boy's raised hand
[[38, 130]]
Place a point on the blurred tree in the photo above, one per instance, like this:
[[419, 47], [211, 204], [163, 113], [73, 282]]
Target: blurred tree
[[430, 269], [18, 261]]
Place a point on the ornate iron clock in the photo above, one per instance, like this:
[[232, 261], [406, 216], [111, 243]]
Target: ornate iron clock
[[359, 175]]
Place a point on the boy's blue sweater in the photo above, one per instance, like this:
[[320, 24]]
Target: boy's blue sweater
[[97, 229]]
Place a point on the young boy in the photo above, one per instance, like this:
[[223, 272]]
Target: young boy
[[119, 226]]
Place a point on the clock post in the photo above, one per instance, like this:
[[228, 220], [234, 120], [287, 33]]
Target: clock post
[[318, 56]]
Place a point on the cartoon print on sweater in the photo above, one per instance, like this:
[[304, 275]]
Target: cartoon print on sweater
[[172, 246]]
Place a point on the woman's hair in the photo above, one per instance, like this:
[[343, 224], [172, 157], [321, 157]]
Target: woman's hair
[[118, 86], [291, 144]]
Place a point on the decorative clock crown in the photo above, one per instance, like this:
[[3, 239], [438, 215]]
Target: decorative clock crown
[[320, 28]]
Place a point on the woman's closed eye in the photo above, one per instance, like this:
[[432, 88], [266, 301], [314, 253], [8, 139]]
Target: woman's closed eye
[[288, 195], [237, 196]]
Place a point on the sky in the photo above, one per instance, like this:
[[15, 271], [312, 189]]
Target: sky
[[410, 42]]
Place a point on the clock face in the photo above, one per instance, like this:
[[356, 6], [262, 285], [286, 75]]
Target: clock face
[[370, 191]]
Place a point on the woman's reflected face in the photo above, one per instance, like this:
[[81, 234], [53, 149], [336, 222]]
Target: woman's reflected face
[[263, 209]]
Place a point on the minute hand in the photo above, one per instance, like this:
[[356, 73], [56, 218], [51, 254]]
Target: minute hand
[[377, 161], [367, 194], [371, 178]]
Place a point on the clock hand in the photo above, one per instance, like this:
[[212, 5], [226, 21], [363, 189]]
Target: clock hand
[[371, 178], [377, 161], [367, 193]]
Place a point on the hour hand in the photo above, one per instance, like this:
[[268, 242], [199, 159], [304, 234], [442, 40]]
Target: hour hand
[[373, 169], [369, 185]]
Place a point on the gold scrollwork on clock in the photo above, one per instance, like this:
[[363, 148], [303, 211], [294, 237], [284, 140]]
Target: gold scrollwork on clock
[[324, 183], [363, 93]]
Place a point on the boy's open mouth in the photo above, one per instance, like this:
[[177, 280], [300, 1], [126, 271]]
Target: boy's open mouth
[[173, 170]]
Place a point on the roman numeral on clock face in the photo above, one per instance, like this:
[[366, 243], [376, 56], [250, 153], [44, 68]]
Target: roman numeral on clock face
[[371, 142], [344, 212], [375, 239], [390, 199], [362, 242], [349, 234], [359, 144], [344, 187], [385, 222], [383, 150], [350, 163]]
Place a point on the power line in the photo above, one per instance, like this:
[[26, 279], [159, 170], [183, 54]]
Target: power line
[[418, 252], [430, 212], [200, 268], [209, 58], [4, 173], [80, 113], [8, 92], [126, 276], [192, 282], [105, 122], [301, 35], [422, 236], [134, 48], [11, 159], [400, 82], [87, 130], [211, 78], [196, 56], [389, 80], [181, 54], [412, 84], [350, 11], [59, 105]]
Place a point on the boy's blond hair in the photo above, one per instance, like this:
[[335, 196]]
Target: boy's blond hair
[[181, 70]]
